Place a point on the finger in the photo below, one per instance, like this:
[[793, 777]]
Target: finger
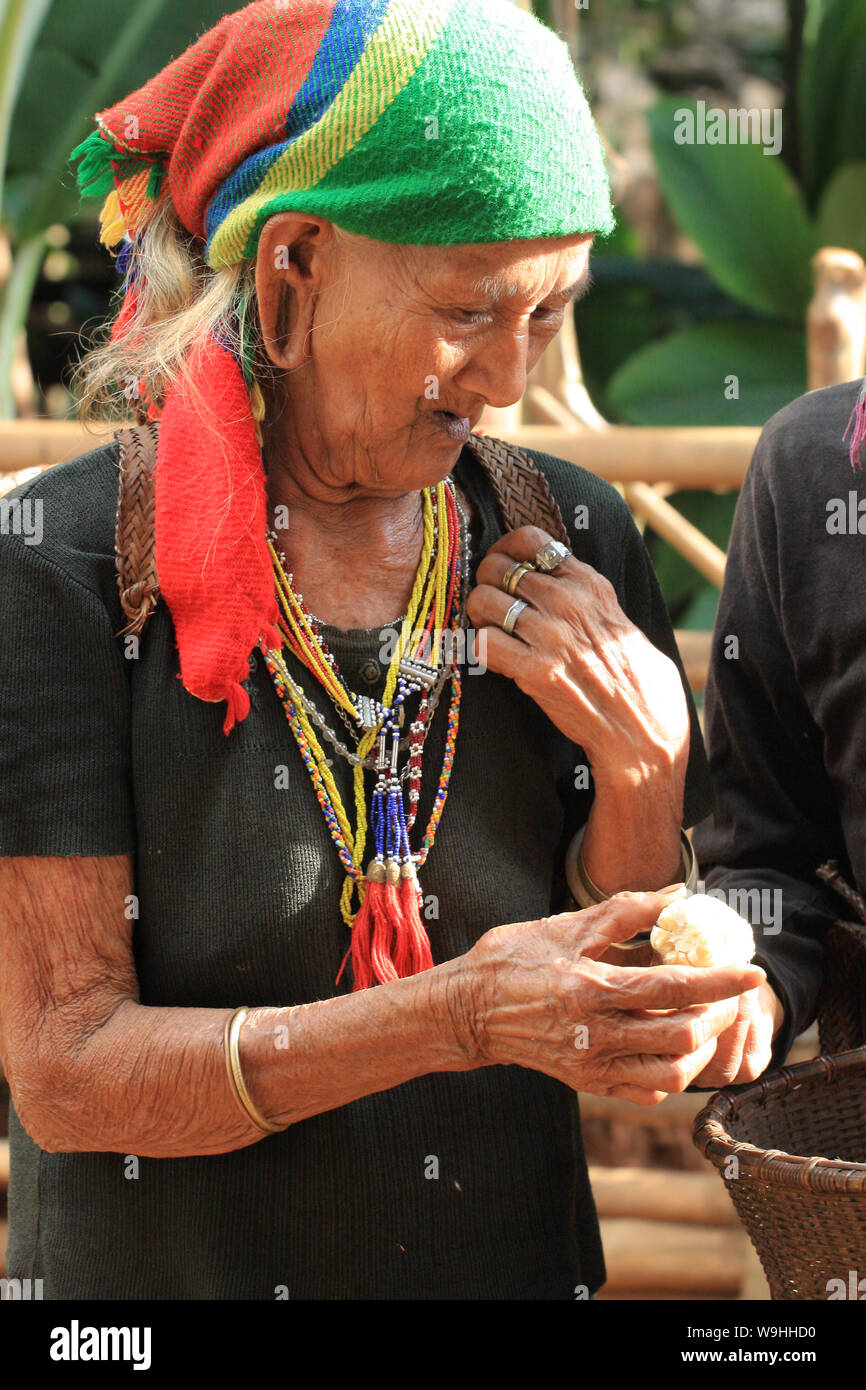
[[677, 986], [617, 919], [591, 931], [532, 668], [670, 1074], [489, 607], [757, 1051], [638, 1095], [732, 1042], [687, 1068], [677, 1033], [536, 588], [523, 544]]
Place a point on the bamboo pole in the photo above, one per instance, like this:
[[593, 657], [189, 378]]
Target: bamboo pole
[[556, 384], [674, 1111], [650, 1256], [549, 410], [653, 1194], [579, 416], [672, 526], [686, 458], [44, 443], [713, 457], [695, 650], [836, 320]]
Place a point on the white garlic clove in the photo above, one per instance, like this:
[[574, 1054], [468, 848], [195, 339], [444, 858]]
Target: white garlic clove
[[702, 931]]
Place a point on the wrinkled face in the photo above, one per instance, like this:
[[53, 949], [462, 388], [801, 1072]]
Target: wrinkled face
[[409, 344]]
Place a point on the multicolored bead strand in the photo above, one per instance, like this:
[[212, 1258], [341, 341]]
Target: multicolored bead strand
[[397, 940]]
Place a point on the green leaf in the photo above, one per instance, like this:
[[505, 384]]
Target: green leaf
[[81, 65], [622, 242], [700, 615], [832, 78], [842, 212], [611, 323], [682, 585], [20, 22], [742, 209], [683, 379]]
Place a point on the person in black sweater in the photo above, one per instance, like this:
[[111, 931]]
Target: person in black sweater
[[784, 725]]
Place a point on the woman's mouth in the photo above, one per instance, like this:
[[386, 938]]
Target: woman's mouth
[[457, 428]]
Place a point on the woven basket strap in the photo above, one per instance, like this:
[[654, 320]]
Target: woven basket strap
[[523, 493], [829, 874], [135, 540]]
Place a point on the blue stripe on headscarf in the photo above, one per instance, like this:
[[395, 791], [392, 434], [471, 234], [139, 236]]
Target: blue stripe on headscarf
[[340, 51]]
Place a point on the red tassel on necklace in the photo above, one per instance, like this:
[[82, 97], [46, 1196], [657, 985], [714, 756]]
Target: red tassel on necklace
[[361, 949], [388, 929], [414, 931], [374, 931], [389, 941]]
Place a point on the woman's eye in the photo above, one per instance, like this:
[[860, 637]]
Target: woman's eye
[[474, 315], [546, 314], [543, 314]]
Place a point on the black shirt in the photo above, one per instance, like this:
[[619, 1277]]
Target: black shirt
[[785, 722], [238, 884]]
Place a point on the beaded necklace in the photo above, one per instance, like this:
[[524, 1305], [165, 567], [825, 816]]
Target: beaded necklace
[[388, 937]]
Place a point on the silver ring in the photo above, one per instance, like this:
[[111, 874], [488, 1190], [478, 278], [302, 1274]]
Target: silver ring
[[512, 616], [551, 556]]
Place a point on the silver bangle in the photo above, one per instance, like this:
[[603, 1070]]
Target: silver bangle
[[585, 892]]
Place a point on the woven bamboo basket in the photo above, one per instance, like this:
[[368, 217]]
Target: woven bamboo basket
[[791, 1147]]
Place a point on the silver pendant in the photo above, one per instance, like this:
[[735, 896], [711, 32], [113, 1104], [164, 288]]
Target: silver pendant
[[420, 671], [369, 711]]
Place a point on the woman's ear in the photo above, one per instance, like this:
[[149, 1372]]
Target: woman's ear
[[290, 267]]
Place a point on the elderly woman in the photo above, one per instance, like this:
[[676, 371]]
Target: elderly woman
[[278, 865]]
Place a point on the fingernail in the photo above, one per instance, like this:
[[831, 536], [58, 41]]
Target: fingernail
[[672, 888]]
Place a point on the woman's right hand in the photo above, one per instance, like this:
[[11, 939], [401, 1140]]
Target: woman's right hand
[[536, 995]]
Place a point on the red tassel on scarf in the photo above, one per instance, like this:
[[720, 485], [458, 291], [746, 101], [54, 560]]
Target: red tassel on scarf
[[211, 519], [127, 313]]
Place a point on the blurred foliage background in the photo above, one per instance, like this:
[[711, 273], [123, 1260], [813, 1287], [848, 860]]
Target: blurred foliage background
[[707, 274]]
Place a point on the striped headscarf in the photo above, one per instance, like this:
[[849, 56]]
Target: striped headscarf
[[418, 122]]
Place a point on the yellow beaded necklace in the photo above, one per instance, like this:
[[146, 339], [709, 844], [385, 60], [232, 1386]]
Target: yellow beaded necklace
[[388, 938]]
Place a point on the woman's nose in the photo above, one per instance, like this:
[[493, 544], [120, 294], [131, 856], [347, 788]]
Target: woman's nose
[[497, 368]]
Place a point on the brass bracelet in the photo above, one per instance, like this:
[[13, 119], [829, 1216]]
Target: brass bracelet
[[231, 1036], [588, 894]]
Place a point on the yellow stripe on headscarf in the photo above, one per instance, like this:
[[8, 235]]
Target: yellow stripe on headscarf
[[112, 221], [389, 62]]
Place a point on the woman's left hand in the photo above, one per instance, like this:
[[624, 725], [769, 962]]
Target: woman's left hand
[[745, 1050], [576, 654]]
